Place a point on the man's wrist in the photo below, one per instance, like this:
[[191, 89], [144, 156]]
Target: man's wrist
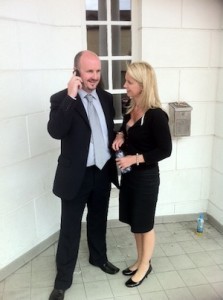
[[74, 98]]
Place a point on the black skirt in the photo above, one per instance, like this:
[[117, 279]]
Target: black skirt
[[138, 197]]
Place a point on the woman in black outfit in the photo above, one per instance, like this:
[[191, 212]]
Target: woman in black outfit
[[145, 139]]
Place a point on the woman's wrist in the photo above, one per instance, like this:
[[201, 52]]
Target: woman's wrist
[[120, 133], [137, 159]]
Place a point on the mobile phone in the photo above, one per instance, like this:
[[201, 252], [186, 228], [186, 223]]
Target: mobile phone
[[77, 72]]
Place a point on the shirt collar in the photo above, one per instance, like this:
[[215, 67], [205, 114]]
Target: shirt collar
[[83, 93]]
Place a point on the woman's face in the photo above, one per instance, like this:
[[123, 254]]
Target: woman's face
[[133, 88]]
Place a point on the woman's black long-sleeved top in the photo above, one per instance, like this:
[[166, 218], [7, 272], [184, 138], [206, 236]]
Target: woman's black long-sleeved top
[[149, 136]]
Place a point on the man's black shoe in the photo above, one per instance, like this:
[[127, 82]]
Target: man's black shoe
[[107, 268], [57, 295]]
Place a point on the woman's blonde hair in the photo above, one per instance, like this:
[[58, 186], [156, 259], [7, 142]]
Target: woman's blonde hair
[[144, 74]]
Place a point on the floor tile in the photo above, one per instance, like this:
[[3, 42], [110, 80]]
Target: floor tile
[[128, 252], [83, 259], [213, 232], [174, 227], [119, 289], [2, 284], [204, 292], [181, 262], [209, 244], [90, 273], [185, 266], [180, 293], [42, 263], [162, 264], [40, 293], [218, 287], [77, 291], [212, 273], [192, 277], [154, 296], [19, 294], [158, 251], [115, 254], [201, 259], [42, 279], [128, 297], [219, 240], [18, 281], [216, 255], [191, 246], [170, 280], [183, 235], [150, 284], [165, 237], [171, 249], [98, 290]]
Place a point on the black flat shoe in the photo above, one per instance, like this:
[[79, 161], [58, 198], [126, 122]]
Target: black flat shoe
[[131, 283], [128, 272], [57, 295], [107, 267]]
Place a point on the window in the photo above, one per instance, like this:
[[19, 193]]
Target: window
[[109, 24]]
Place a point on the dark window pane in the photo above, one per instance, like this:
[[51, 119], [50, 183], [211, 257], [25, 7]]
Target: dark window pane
[[118, 73], [121, 40], [118, 125], [96, 10], [97, 39], [125, 103], [121, 102], [118, 106], [121, 10]]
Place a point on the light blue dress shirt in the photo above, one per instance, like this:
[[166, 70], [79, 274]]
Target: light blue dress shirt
[[97, 105]]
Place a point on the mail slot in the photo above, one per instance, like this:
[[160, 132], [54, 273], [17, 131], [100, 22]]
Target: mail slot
[[180, 118]]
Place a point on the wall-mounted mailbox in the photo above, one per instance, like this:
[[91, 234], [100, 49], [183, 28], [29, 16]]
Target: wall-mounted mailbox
[[180, 118]]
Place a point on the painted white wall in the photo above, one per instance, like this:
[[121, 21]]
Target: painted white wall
[[215, 204], [38, 40]]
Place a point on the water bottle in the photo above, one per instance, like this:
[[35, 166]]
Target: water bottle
[[120, 154], [200, 224]]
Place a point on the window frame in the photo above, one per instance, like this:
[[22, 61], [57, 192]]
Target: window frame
[[110, 58]]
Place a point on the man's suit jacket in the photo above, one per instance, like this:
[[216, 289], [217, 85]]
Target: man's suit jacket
[[69, 123]]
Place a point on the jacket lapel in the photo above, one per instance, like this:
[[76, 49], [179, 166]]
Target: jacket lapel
[[81, 110]]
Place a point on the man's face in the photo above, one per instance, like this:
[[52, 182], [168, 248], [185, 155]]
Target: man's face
[[90, 71]]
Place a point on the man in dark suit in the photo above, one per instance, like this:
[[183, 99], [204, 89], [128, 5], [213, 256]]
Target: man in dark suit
[[80, 180]]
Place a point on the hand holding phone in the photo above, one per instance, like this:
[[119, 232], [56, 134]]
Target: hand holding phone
[[74, 84]]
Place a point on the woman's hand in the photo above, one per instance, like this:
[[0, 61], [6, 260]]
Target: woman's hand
[[125, 162], [118, 141]]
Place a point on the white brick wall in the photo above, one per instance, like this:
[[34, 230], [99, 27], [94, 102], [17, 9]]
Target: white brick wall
[[38, 40]]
